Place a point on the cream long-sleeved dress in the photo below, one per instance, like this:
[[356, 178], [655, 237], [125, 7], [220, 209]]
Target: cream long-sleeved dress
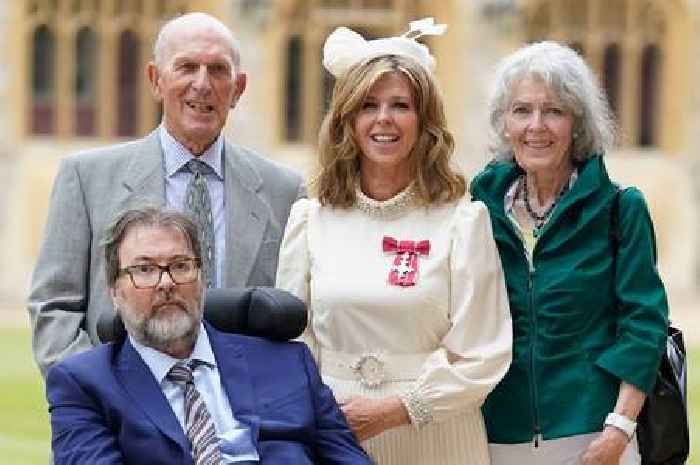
[[441, 344]]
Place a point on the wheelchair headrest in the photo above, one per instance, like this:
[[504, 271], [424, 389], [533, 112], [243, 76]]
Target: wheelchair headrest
[[258, 311]]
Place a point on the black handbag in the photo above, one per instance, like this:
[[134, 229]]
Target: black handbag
[[662, 425]]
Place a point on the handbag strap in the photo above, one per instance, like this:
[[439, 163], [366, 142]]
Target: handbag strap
[[615, 234]]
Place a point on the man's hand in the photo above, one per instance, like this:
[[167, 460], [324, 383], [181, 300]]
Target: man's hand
[[369, 417], [606, 449]]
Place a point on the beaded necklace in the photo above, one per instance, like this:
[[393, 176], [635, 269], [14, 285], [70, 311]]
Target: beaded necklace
[[541, 219]]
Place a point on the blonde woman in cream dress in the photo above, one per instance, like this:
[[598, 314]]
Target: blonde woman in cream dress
[[408, 312]]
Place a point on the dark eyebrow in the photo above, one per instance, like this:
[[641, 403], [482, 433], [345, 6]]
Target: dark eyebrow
[[155, 259]]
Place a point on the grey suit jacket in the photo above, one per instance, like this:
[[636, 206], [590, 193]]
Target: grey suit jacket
[[68, 290]]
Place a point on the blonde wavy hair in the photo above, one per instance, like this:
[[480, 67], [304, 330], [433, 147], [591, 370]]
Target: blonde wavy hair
[[339, 152]]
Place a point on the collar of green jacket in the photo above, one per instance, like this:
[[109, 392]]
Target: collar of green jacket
[[491, 184]]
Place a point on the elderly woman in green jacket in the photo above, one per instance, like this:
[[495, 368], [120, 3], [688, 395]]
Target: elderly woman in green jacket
[[589, 309]]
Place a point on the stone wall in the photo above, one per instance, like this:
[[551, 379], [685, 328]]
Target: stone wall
[[466, 55]]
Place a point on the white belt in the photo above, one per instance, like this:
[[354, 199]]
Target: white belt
[[372, 369]]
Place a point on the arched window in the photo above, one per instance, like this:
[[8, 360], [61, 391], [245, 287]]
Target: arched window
[[43, 81], [84, 65], [624, 42], [85, 82], [611, 75], [649, 95], [293, 103], [128, 84]]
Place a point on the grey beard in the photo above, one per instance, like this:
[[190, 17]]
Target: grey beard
[[164, 333]]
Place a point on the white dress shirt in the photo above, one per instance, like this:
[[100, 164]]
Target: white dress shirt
[[236, 440]]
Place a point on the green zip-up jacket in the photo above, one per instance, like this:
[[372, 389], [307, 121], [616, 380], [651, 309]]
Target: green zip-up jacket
[[584, 317]]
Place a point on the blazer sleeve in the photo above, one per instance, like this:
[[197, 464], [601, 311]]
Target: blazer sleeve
[[641, 298], [333, 441], [476, 351], [59, 287], [79, 433], [294, 266]]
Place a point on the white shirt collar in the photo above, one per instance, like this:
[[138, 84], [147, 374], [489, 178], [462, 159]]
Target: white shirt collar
[[177, 155], [160, 363]]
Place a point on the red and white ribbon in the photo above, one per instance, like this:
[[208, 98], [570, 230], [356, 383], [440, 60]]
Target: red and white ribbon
[[404, 270]]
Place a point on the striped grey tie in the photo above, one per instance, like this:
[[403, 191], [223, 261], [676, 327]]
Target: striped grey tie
[[198, 421], [198, 204]]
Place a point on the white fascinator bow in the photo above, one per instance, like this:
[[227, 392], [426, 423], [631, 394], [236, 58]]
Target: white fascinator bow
[[424, 27], [344, 47]]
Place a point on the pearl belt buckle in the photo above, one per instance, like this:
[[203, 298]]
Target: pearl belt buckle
[[369, 368]]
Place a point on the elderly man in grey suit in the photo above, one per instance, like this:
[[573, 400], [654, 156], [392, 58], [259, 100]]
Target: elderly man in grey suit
[[196, 75]]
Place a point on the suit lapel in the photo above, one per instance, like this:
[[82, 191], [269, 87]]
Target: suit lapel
[[247, 213], [147, 395], [236, 378], [145, 179], [246, 217]]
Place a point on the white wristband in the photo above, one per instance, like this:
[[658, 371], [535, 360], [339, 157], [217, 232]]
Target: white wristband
[[622, 423]]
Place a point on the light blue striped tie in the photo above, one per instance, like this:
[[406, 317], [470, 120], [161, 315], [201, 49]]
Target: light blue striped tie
[[198, 204], [198, 422]]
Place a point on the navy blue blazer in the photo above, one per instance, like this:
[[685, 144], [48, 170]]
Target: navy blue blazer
[[107, 408]]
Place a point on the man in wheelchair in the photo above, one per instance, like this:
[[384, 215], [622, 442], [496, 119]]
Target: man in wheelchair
[[176, 390]]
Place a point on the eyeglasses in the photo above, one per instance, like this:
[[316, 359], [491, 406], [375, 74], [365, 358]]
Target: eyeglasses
[[148, 275]]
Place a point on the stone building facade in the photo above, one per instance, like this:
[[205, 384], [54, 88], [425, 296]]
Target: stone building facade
[[74, 78]]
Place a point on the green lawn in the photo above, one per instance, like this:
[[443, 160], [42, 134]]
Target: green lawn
[[24, 429]]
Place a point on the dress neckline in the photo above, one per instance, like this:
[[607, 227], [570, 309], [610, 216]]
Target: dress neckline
[[396, 206]]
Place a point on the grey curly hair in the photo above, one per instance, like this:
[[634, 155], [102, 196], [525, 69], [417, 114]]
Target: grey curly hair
[[566, 74]]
